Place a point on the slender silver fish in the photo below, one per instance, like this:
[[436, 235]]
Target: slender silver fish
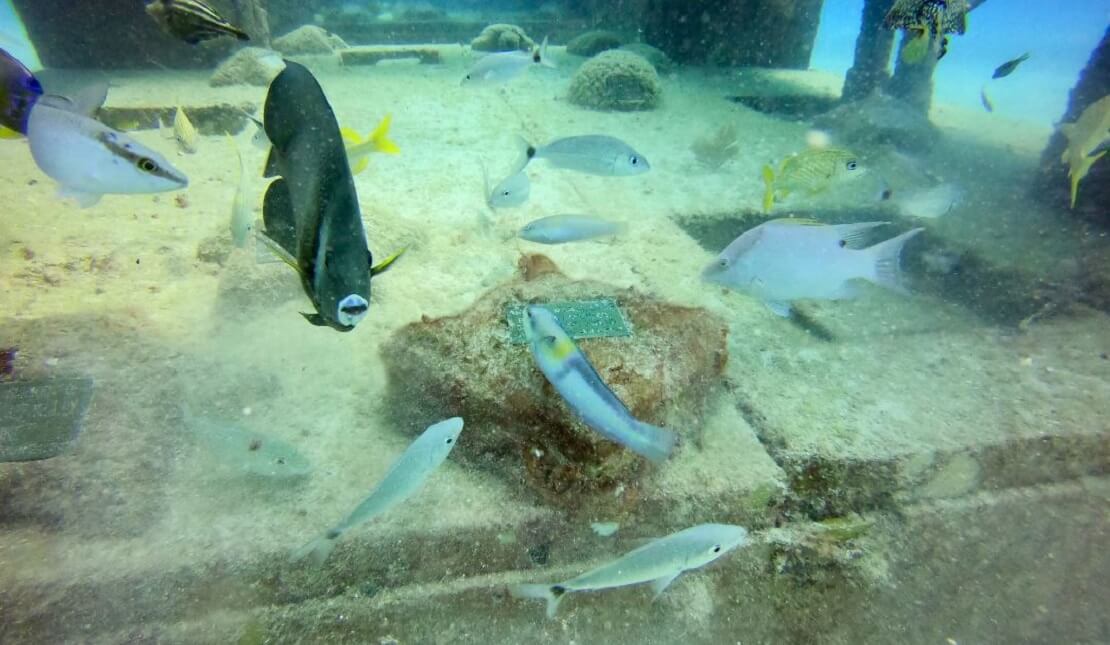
[[242, 206], [558, 229], [658, 562], [568, 369], [404, 478], [501, 67], [593, 154]]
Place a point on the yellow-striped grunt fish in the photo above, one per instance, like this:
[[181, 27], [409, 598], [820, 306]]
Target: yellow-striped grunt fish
[[1086, 137], [810, 172], [184, 132]]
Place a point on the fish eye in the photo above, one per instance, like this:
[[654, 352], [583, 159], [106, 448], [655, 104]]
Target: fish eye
[[146, 164], [716, 548], [281, 461], [450, 440], [723, 262], [633, 160], [467, 77], [851, 165], [505, 193]]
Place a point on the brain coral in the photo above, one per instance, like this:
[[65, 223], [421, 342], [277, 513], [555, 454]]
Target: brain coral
[[616, 80], [502, 38]]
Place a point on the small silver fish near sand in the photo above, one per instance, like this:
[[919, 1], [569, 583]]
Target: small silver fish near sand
[[559, 229], [593, 154], [585, 393], [502, 67], [789, 259], [658, 562], [928, 203], [510, 192], [405, 477], [245, 451], [242, 205]]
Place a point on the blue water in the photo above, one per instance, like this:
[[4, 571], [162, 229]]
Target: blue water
[[14, 39], [1060, 38]]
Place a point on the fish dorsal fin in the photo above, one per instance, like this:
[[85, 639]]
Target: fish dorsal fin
[[277, 216], [271, 169], [799, 221]]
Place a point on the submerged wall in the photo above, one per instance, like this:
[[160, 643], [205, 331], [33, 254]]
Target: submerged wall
[[766, 33]]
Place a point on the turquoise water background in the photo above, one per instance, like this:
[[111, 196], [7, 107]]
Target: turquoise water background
[[1059, 36]]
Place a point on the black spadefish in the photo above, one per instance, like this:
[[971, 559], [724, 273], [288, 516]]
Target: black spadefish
[[311, 211]]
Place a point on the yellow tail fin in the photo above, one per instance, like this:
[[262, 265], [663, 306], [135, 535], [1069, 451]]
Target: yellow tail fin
[[7, 133], [380, 137], [352, 140], [769, 192], [381, 267]]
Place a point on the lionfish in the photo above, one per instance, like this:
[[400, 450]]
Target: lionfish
[[192, 21]]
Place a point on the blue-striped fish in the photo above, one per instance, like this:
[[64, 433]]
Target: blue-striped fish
[[658, 562], [568, 369], [405, 477]]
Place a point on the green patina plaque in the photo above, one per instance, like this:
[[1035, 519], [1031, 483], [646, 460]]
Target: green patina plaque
[[41, 419], [597, 318]]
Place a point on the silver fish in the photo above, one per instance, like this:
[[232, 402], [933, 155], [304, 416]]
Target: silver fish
[[510, 192], [88, 159], [501, 67], [593, 154], [787, 259], [929, 203], [558, 229], [588, 397], [405, 477], [658, 562], [246, 451]]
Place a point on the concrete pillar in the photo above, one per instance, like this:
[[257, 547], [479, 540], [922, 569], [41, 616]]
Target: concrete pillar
[[869, 69]]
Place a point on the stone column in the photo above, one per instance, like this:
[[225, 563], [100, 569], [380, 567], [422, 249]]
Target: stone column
[[251, 17], [873, 45], [913, 82]]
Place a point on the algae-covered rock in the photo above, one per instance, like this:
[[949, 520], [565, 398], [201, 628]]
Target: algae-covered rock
[[657, 57], [308, 39], [593, 43], [248, 66], [517, 424], [502, 38], [616, 80]]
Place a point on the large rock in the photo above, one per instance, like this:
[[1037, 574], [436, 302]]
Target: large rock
[[309, 40], [502, 38], [616, 80], [517, 425], [249, 66]]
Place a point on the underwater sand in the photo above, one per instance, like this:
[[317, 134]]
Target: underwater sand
[[117, 292]]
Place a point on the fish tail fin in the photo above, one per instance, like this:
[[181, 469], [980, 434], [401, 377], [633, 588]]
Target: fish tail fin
[[384, 265], [351, 140], [543, 58], [552, 594], [8, 133], [885, 258], [769, 188], [315, 552], [655, 443], [527, 153], [380, 137]]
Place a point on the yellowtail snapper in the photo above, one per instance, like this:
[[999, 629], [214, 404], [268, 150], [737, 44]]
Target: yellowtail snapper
[[192, 21], [658, 562], [405, 477], [587, 396]]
